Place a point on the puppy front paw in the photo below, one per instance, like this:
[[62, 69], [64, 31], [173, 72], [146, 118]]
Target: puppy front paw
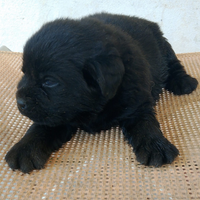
[[27, 156], [156, 152]]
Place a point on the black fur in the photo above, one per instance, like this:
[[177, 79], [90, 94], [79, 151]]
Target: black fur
[[94, 73]]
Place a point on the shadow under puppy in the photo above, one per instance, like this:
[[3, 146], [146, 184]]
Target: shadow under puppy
[[94, 73]]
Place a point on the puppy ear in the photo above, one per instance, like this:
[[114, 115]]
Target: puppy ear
[[105, 72]]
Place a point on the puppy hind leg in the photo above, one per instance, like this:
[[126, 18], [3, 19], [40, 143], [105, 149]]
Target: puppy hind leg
[[150, 146], [178, 82]]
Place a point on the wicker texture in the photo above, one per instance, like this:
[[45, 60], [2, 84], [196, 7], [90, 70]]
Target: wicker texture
[[103, 166]]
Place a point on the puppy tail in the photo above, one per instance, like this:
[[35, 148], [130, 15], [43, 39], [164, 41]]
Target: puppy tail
[[178, 81]]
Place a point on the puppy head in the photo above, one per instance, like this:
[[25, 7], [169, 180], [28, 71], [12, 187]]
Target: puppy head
[[67, 74]]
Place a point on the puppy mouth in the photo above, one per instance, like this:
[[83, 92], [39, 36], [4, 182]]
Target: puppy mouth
[[44, 120], [47, 122], [42, 117], [33, 111]]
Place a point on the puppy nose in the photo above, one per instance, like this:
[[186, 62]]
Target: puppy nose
[[21, 103]]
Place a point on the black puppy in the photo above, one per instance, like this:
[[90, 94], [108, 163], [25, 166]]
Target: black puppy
[[94, 73]]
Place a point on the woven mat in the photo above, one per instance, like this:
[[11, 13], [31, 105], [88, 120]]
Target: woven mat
[[103, 166]]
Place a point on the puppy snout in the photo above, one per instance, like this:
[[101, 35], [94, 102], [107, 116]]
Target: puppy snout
[[21, 103]]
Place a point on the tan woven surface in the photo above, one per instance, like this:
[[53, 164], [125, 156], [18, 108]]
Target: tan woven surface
[[103, 166]]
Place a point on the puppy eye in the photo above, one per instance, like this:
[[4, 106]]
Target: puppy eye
[[50, 83]]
